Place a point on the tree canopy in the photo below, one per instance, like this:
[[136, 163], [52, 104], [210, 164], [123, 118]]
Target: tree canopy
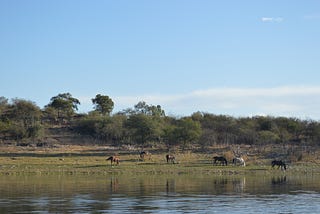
[[64, 104], [147, 125]]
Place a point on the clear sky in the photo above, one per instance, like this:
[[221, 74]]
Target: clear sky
[[239, 57]]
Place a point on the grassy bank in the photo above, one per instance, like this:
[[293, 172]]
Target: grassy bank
[[92, 160]]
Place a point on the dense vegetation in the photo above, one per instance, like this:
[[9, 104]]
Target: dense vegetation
[[148, 125]]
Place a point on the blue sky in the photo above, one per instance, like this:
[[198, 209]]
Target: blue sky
[[240, 58]]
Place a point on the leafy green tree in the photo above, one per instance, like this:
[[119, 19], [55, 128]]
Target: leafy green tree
[[312, 132], [142, 127], [65, 105], [3, 104], [103, 104], [26, 112], [88, 124], [4, 123], [141, 108], [222, 129], [151, 110], [188, 131], [145, 123], [247, 131], [25, 119], [111, 129], [170, 134], [50, 115], [267, 137], [265, 123]]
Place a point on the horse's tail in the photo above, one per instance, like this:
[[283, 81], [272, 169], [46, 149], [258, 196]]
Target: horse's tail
[[110, 158]]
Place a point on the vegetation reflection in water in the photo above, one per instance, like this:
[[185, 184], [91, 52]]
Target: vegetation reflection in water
[[94, 193]]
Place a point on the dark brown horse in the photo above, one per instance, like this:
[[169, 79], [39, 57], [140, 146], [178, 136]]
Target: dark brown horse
[[170, 158], [114, 159], [145, 154], [279, 163], [221, 160]]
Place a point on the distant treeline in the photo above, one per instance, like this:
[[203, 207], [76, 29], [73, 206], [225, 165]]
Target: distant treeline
[[148, 125]]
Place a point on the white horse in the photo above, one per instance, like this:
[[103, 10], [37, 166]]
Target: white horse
[[238, 161]]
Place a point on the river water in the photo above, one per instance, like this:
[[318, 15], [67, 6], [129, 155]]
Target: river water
[[254, 193]]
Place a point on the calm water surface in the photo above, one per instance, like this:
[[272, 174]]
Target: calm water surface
[[257, 193]]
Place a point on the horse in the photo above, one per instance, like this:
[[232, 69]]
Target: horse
[[238, 161], [222, 160], [114, 159], [281, 164], [170, 158], [144, 154]]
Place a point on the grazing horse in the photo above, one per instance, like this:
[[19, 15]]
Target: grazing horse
[[170, 158], [238, 161], [221, 160], [144, 154], [279, 163], [114, 159]]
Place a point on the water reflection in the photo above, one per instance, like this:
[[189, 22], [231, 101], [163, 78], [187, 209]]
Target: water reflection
[[114, 185], [279, 180], [83, 194], [170, 186]]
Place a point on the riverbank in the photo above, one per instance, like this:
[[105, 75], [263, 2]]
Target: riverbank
[[89, 160]]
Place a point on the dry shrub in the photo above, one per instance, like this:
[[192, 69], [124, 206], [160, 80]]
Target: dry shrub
[[188, 156], [228, 155]]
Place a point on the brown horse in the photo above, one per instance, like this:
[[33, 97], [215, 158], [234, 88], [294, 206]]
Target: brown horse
[[145, 154], [114, 159], [170, 158]]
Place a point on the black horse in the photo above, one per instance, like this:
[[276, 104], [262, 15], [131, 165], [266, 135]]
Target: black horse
[[145, 154], [279, 163], [170, 158], [221, 160]]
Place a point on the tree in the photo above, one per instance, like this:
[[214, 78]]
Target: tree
[[220, 128], [142, 128], [151, 110], [170, 134], [3, 119], [25, 119], [247, 131], [111, 129], [27, 112], [65, 104], [188, 131], [103, 104], [3, 104]]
